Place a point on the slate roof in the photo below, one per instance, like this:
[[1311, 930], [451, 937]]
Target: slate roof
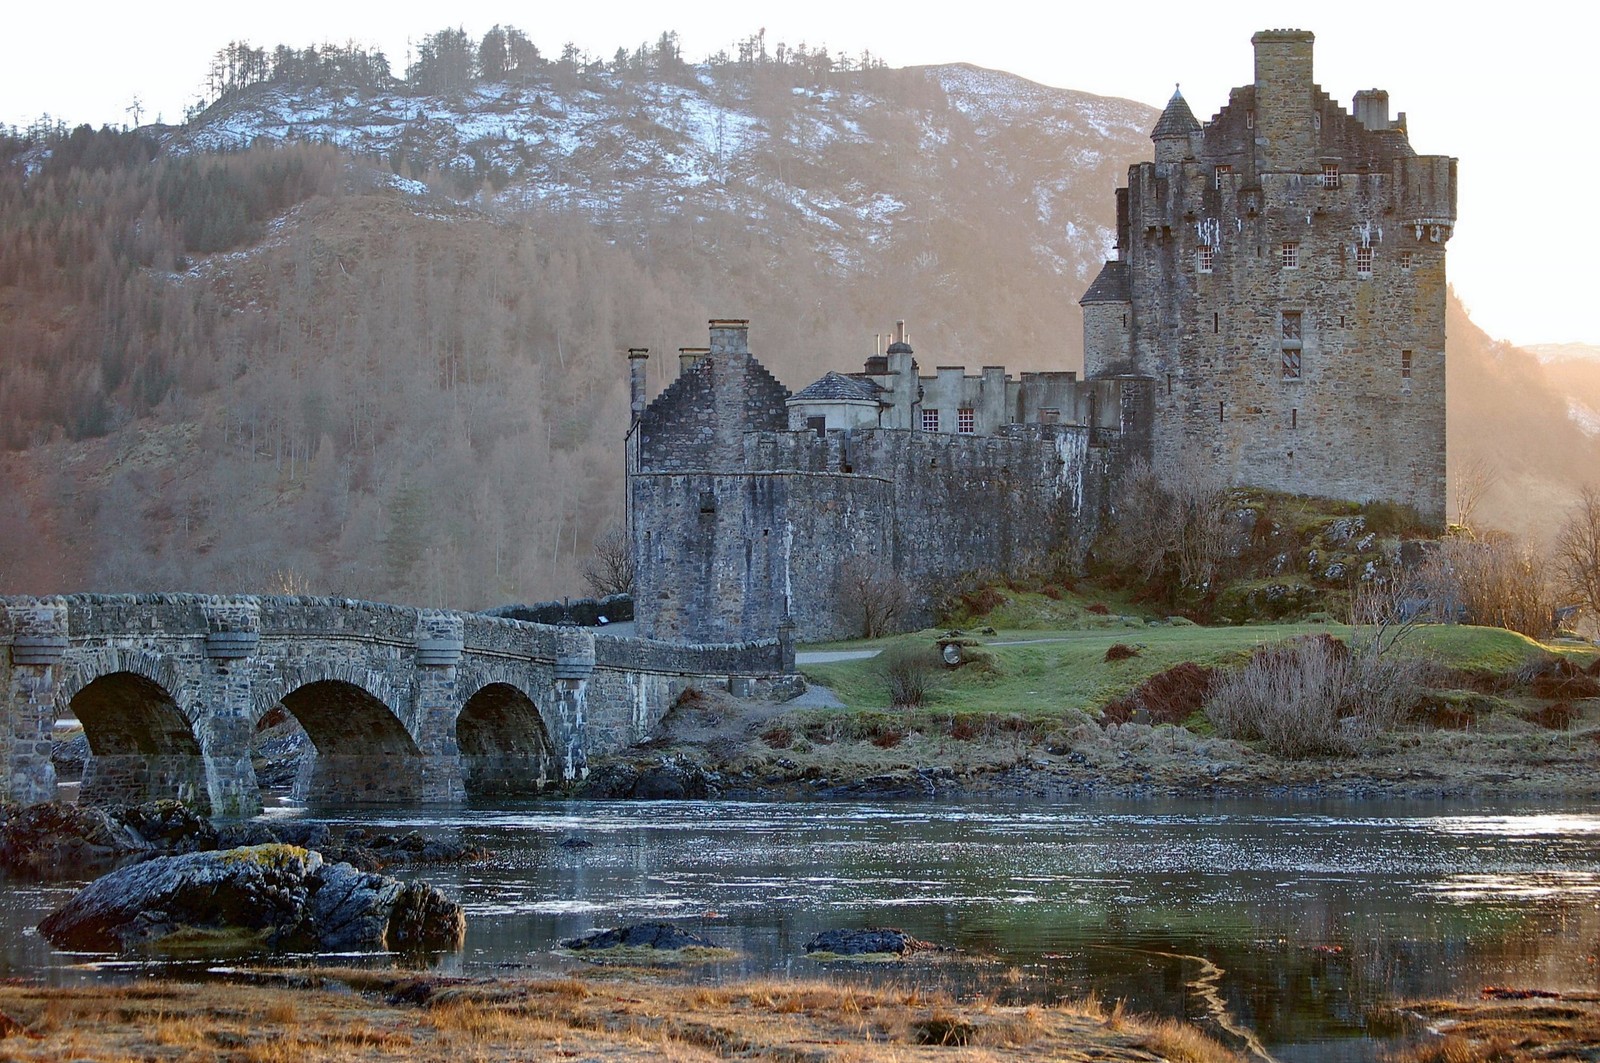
[[1177, 120], [1111, 286], [837, 387]]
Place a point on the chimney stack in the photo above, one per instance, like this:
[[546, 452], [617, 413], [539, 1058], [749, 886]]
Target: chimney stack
[[730, 335], [689, 357], [637, 357]]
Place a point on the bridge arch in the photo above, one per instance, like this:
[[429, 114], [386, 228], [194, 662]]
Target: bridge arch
[[142, 742], [505, 745], [363, 751]]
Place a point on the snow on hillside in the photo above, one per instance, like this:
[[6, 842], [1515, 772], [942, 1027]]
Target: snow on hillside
[[821, 162]]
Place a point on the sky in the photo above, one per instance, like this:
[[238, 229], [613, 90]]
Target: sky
[[1506, 95]]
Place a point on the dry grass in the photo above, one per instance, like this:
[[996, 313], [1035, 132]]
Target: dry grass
[[462, 1020], [1506, 1031]]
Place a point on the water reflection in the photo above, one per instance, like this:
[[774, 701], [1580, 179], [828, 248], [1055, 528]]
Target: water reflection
[[1312, 913]]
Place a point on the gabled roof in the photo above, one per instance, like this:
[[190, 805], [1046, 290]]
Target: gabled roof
[[1177, 120], [836, 387], [1111, 286]]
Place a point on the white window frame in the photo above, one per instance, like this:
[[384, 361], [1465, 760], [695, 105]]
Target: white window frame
[[930, 419], [1289, 254], [1204, 258], [966, 421], [1364, 260]]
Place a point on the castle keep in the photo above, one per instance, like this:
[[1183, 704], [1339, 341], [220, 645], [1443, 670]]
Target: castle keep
[[1275, 312], [1280, 280]]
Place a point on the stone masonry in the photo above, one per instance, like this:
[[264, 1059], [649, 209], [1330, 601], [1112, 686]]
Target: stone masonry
[[402, 705]]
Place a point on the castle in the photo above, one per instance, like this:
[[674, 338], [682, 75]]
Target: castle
[[1275, 310]]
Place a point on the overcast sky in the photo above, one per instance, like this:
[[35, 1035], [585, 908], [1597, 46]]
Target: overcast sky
[[1507, 97]]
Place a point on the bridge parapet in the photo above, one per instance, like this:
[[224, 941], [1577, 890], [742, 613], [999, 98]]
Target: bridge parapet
[[400, 703]]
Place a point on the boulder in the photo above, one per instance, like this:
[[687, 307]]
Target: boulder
[[662, 936], [265, 896], [60, 840], [869, 941]]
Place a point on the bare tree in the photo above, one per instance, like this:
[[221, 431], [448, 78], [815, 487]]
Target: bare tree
[[1496, 581], [1171, 524], [1470, 483], [1577, 552], [871, 598], [610, 568]]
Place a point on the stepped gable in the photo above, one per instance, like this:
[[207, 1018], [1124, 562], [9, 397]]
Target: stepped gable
[[702, 418], [1111, 286], [836, 386], [1177, 120]]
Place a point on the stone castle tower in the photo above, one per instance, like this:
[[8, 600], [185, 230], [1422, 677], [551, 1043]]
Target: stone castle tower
[[1280, 280]]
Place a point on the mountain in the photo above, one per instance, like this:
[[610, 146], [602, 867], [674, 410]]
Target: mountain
[[366, 341]]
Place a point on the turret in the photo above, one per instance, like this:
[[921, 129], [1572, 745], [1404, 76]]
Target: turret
[[1172, 131]]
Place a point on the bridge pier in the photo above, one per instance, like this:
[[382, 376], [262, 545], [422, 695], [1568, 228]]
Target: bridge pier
[[440, 642], [38, 644], [574, 665], [233, 636]]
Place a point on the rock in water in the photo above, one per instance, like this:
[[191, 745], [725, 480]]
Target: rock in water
[[272, 896], [60, 839], [872, 941], [663, 936]]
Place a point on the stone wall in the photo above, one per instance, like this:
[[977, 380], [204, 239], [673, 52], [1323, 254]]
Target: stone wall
[[169, 689], [724, 554]]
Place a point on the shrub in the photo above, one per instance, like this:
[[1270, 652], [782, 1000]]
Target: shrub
[[1120, 651], [1313, 696], [1171, 696], [911, 671]]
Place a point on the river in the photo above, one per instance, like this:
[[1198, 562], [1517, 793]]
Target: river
[[1293, 918]]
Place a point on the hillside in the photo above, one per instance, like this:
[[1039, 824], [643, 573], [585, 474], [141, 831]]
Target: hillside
[[368, 341]]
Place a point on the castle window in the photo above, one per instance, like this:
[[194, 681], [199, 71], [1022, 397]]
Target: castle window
[[1316, 120], [1204, 256], [1218, 173], [1330, 175], [966, 424], [1291, 345], [1405, 261], [1294, 419], [1364, 261], [1222, 412], [930, 420], [1049, 416], [1405, 365], [1216, 322], [1290, 255], [1249, 119]]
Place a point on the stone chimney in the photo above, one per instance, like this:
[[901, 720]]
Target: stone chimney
[[689, 357], [1371, 109], [637, 356], [730, 335], [1285, 141]]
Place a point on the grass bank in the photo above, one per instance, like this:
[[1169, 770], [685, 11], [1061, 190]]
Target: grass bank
[[365, 1015]]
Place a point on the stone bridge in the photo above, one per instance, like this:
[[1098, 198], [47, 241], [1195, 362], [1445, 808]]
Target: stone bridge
[[402, 705]]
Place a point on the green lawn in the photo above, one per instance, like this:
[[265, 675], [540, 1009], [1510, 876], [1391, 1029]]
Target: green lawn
[[1051, 671]]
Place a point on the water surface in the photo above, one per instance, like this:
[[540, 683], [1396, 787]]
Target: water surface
[[1313, 912]]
